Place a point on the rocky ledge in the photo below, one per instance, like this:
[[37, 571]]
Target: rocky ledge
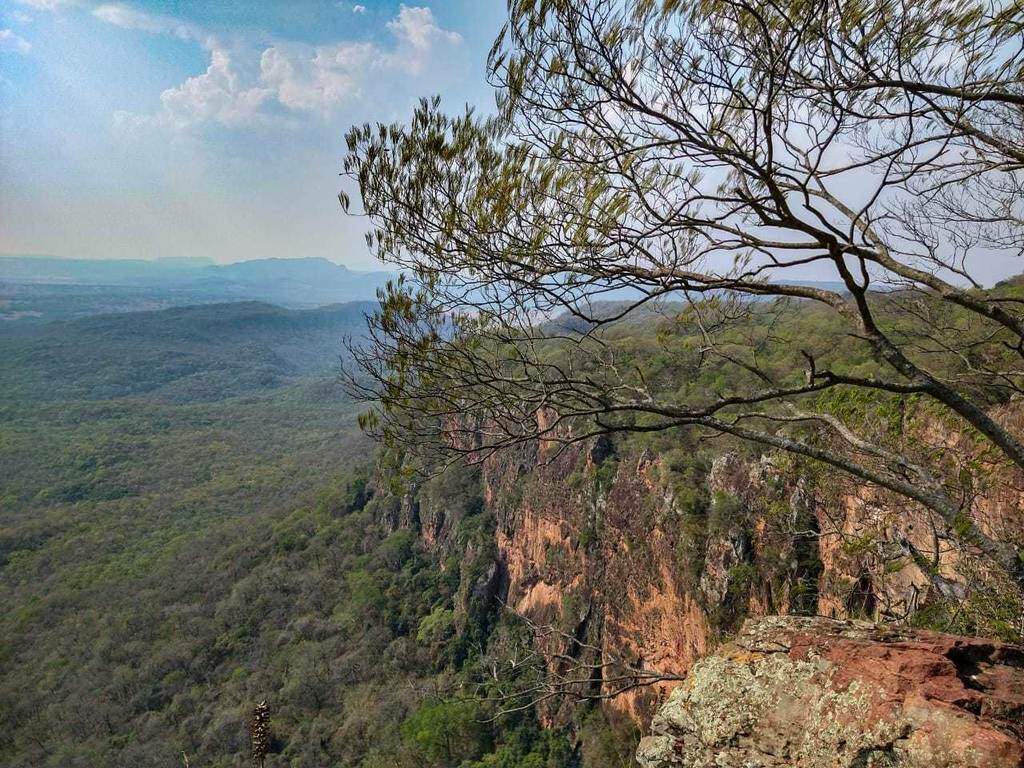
[[813, 692]]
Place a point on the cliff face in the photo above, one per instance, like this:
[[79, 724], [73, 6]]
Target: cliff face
[[819, 693], [637, 562], [604, 547], [591, 547]]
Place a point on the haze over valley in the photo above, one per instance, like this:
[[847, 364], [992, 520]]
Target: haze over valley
[[48, 288]]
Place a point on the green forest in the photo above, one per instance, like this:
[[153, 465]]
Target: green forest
[[192, 523], [188, 526]]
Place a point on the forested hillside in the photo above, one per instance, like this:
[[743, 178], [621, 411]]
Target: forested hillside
[[191, 524], [188, 526], [180, 354]]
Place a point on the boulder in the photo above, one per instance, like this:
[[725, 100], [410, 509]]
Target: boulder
[[811, 692]]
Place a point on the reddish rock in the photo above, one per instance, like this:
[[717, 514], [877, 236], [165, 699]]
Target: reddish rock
[[815, 692], [610, 548]]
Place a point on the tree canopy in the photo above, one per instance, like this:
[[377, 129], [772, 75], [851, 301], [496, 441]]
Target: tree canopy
[[711, 156]]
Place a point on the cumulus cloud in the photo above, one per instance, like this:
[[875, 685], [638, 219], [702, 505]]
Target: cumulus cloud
[[12, 42], [291, 77], [418, 36], [333, 74], [215, 95], [358, 9], [218, 96], [417, 27]]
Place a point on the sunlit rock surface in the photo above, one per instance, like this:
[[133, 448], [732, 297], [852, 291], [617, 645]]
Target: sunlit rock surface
[[817, 693]]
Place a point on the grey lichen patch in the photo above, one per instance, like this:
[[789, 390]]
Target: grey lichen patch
[[768, 711], [725, 700], [840, 727], [653, 750], [774, 698], [771, 634]]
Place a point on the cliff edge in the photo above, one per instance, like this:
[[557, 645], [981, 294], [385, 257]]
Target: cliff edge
[[811, 692]]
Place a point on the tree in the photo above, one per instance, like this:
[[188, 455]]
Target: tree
[[711, 152], [447, 732]]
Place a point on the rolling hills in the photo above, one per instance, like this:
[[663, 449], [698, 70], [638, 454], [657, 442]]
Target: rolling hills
[[38, 288]]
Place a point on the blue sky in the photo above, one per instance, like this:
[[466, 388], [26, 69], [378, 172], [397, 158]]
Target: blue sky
[[159, 128]]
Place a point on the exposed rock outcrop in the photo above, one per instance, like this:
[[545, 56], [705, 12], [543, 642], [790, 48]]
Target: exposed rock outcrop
[[640, 559], [819, 693]]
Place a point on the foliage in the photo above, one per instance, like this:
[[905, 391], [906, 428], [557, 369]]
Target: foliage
[[874, 144], [447, 732], [173, 555]]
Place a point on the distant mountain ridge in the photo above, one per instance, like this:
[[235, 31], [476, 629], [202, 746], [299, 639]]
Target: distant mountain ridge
[[39, 288], [137, 272]]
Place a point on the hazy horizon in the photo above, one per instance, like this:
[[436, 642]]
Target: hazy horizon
[[370, 266], [153, 129]]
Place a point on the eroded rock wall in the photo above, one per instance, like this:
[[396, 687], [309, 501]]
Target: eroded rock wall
[[819, 693], [630, 573]]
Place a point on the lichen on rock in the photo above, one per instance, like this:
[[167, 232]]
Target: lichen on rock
[[818, 693]]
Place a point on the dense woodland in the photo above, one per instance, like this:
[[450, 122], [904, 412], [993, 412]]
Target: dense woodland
[[192, 523], [188, 525]]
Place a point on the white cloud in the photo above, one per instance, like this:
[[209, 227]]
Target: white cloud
[[417, 27], [293, 76], [21, 17], [358, 9], [217, 95], [418, 36], [333, 74], [11, 42], [125, 16]]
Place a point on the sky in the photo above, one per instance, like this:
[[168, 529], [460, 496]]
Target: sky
[[176, 128]]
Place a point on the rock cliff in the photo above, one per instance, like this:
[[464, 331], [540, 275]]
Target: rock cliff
[[645, 563], [643, 560], [797, 692]]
